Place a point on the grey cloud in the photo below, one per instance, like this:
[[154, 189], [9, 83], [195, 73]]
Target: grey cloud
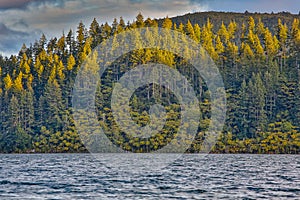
[[9, 4], [20, 24], [53, 3], [11, 40], [252, 6], [23, 4], [5, 31]]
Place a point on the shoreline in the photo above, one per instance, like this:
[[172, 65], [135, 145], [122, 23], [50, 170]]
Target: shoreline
[[60, 153]]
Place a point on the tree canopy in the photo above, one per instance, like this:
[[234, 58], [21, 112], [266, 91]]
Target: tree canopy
[[258, 58]]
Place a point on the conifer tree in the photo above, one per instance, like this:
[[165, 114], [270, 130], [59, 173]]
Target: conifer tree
[[167, 23]]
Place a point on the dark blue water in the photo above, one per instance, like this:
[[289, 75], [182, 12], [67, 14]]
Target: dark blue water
[[80, 176]]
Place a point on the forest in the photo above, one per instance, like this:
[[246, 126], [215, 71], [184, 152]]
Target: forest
[[256, 54]]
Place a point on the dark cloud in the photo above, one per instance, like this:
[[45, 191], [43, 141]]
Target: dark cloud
[[20, 24], [23, 4], [9, 4], [5, 31], [12, 40]]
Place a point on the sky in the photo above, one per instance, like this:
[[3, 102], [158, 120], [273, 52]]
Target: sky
[[24, 21]]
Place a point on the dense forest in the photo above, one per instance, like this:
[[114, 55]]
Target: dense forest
[[257, 55], [270, 20]]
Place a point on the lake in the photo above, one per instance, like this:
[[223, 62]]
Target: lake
[[81, 176]]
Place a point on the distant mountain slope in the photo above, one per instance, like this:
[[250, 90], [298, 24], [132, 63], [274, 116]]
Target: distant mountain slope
[[270, 20]]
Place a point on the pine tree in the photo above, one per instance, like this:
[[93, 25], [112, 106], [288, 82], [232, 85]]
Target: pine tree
[[271, 45], [18, 85], [71, 62], [105, 31], [251, 24], [219, 47], [94, 33], [242, 115], [140, 20], [167, 23], [42, 42], [189, 30], [247, 52], [259, 50], [52, 104], [223, 33], [70, 42], [232, 26], [197, 31], [207, 38], [28, 118], [8, 83], [260, 29], [282, 34], [61, 46], [81, 36], [24, 64]]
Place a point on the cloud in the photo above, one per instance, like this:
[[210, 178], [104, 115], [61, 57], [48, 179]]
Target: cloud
[[10, 4], [11, 40], [23, 4], [253, 5]]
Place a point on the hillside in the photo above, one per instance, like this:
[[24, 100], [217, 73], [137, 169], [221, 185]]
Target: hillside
[[269, 20], [258, 60]]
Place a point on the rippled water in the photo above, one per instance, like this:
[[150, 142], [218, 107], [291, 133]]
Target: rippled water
[[80, 176]]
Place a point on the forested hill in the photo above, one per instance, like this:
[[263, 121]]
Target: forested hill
[[216, 18], [259, 66]]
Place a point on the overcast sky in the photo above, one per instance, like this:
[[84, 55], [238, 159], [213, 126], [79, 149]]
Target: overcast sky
[[23, 21]]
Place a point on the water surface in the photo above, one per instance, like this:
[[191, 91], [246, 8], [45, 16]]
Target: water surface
[[81, 176]]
